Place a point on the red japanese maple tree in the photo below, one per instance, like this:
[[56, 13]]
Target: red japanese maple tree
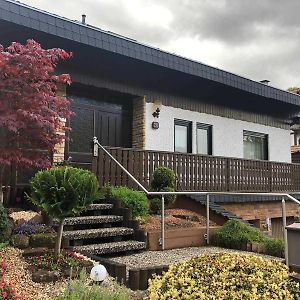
[[31, 111]]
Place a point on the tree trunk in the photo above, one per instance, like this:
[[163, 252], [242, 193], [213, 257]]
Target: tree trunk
[[58, 238], [1, 184], [1, 194]]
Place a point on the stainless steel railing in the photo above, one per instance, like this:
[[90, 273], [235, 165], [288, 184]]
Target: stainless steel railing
[[97, 145]]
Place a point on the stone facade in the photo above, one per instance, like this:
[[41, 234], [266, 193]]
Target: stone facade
[[139, 123], [59, 150], [261, 210]]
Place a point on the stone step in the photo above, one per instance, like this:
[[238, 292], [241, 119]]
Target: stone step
[[95, 233], [91, 220], [110, 247], [101, 206]]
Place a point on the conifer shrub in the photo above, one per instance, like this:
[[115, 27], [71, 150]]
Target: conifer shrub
[[163, 177], [134, 200], [164, 180], [5, 225], [63, 192]]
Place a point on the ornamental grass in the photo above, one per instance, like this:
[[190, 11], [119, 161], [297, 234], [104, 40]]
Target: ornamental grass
[[225, 276]]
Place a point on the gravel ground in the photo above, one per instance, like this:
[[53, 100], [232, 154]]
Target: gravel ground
[[167, 257], [25, 215], [20, 278]]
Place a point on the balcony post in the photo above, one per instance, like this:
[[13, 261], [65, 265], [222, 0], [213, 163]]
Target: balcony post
[[162, 222]]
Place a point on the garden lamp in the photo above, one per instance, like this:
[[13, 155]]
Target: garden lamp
[[98, 273]]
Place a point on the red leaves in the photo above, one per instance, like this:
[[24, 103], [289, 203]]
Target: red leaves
[[30, 109]]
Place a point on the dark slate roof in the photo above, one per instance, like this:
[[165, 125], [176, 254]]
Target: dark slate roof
[[219, 198], [24, 15]]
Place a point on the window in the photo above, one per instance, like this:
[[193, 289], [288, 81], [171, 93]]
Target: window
[[255, 145], [182, 136], [204, 139]]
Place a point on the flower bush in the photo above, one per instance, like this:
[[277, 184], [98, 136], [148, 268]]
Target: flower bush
[[32, 227], [47, 261], [225, 276], [7, 292], [3, 267]]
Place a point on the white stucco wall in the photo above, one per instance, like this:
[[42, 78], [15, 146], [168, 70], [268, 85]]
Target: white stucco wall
[[227, 134]]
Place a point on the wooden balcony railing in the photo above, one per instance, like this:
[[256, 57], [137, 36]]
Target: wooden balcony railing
[[198, 172]]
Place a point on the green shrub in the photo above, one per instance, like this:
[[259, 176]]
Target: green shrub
[[134, 200], [42, 240], [169, 199], [235, 233], [20, 241], [5, 226], [274, 247], [164, 180], [155, 205], [63, 192], [225, 276], [163, 177], [78, 290]]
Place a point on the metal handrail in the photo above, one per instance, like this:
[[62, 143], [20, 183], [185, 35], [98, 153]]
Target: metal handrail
[[206, 193]]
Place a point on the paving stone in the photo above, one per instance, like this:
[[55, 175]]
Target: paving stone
[[111, 247], [35, 251], [45, 276], [91, 220], [95, 233], [101, 206]]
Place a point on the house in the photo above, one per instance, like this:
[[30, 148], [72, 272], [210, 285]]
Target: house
[[295, 140], [219, 131]]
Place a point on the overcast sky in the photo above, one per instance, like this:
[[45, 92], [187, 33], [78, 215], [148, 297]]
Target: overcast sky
[[258, 39]]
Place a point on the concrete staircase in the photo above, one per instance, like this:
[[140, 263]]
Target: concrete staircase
[[105, 228], [218, 209]]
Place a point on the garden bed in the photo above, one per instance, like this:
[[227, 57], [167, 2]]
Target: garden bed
[[20, 277], [179, 238], [176, 218]]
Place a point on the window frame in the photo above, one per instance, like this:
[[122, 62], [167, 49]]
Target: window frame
[[208, 128], [260, 135], [189, 125]]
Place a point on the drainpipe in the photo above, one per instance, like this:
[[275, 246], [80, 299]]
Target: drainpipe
[[286, 254], [207, 219]]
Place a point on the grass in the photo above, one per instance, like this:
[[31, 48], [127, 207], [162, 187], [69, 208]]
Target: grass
[[81, 290]]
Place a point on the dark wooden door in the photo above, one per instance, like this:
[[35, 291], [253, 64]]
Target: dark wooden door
[[109, 122]]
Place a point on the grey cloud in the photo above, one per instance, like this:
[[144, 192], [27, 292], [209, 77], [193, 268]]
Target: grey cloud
[[270, 27]]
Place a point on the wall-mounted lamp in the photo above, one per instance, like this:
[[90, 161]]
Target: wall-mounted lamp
[[156, 113]]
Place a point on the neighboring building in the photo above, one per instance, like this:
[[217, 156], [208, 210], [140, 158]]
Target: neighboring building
[[295, 140], [131, 95]]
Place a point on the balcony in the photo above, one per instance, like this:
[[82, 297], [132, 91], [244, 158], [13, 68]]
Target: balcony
[[198, 172]]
